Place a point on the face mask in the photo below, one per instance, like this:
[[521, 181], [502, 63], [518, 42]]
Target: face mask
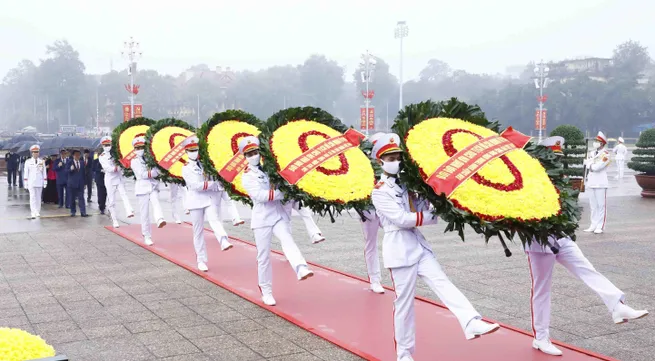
[[107, 149], [192, 155], [139, 152], [596, 145], [391, 167], [35, 155], [254, 160]]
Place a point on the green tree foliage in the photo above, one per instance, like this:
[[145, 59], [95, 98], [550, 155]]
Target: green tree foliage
[[644, 156]]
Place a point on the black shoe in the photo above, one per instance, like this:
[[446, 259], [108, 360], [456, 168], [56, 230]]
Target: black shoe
[[102, 212], [73, 215], [85, 215], [61, 207], [88, 201]]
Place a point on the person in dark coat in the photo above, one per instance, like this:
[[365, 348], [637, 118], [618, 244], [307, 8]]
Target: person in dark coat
[[12, 160], [50, 191], [88, 175], [99, 176], [75, 183], [62, 179], [21, 171]]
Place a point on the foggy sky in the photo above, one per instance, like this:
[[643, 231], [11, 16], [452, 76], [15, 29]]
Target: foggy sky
[[475, 35]]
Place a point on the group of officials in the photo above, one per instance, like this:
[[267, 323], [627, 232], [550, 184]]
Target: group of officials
[[395, 210]]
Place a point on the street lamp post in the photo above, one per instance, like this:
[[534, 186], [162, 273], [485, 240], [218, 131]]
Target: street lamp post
[[368, 64], [401, 32], [541, 82], [132, 51]]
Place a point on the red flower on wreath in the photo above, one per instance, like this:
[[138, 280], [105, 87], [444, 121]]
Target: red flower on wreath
[[302, 142]]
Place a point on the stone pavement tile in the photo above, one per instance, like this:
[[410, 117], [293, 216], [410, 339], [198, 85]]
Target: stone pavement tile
[[105, 331], [99, 322], [638, 338], [81, 315], [11, 312], [200, 331], [173, 348], [54, 337], [311, 342], [556, 334], [174, 312], [190, 357], [118, 310], [198, 300], [186, 321], [275, 348], [586, 330], [149, 338], [56, 326], [8, 301], [139, 288], [49, 316], [162, 304], [234, 354], [155, 296], [304, 356], [137, 316], [626, 355], [147, 326], [239, 326], [603, 344], [224, 317], [336, 354], [74, 305], [15, 321], [217, 343]]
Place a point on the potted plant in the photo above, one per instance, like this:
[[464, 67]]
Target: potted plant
[[643, 162], [575, 151]]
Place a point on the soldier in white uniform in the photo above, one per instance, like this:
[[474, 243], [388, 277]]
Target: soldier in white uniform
[[203, 199], [113, 182], [370, 228], [597, 183], [269, 218], [35, 179], [408, 256], [620, 152], [231, 206], [177, 193], [146, 189], [568, 254]]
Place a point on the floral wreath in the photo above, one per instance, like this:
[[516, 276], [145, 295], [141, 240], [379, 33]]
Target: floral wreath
[[216, 152], [19, 345], [155, 151], [562, 218], [339, 183], [116, 141]]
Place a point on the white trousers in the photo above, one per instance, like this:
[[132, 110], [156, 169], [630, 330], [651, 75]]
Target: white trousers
[[234, 212], [178, 193], [35, 200], [541, 272], [308, 219], [370, 228], [263, 237], [144, 211], [598, 207], [404, 281], [620, 163], [198, 220], [111, 201]]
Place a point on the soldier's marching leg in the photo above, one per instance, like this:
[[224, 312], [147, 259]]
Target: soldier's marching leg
[[111, 205], [38, 193], [541, 273], [198, 222], [404, 283], [156, 209], [370, 229], [315, 234], [214, 219], [601, 209], [144, 213], [263, 237], [593, 209], [282, 231], [32, 192], [126, 201], [232, 208]]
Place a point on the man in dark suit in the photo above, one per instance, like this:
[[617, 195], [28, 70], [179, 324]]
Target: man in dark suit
[[88, 175], [12, 160], [99, 176], [62, 179], [75, 183]]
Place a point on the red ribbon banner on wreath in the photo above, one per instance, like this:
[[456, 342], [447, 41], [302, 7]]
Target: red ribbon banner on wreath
[[468, 161], [314, 157], [233, 167], [174, 154], [127, 160]]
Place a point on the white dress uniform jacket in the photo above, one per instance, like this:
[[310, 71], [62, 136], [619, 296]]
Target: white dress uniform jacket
[[114, 183], [113, 173], [597, 184], [621, 151], [267, 207], [145, 177], [542, 260]]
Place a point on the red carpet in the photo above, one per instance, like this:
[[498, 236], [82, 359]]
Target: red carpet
[[338, 307]]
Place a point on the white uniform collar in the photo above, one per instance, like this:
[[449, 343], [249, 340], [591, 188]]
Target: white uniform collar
[[391, 181]]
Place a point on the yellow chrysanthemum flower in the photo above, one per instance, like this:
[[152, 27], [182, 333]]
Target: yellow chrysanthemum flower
[[18, 345], [164, 140]]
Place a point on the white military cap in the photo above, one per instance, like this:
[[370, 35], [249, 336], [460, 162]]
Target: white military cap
[[554, 143], [137, 141], [601, 138], [248, 143], [621, 140], [387, 143], [191, 143], [374, 138], [106, 140], [35, 148]]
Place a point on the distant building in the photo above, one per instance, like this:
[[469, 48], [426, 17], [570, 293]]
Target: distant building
[[594, 68]]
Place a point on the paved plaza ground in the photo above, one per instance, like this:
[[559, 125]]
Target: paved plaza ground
[[96, 296]]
